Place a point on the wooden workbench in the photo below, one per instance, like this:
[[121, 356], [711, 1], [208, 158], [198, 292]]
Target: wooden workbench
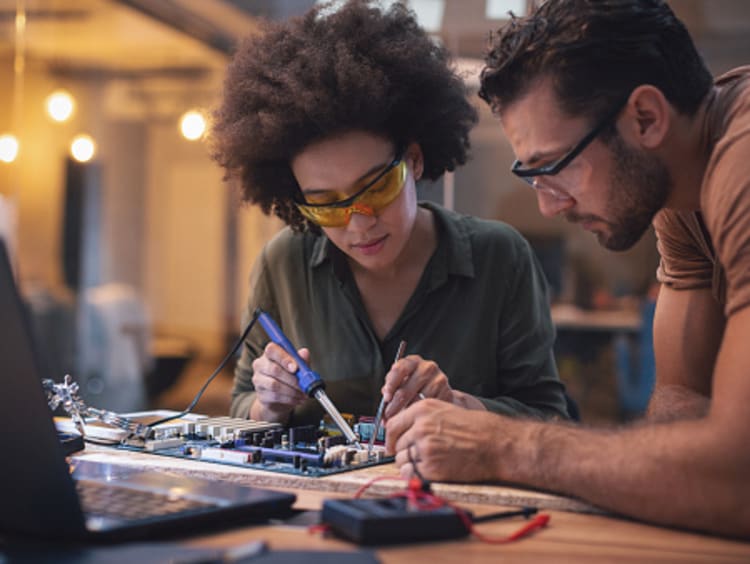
[[577, 532]]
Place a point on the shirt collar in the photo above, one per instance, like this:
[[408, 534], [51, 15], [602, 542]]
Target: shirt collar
[[454, 240], [322, 249]]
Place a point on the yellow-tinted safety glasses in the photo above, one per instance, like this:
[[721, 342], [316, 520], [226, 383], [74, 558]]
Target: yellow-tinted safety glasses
[[326, 210]]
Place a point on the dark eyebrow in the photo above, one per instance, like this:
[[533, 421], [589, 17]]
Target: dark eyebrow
[[373, 170]]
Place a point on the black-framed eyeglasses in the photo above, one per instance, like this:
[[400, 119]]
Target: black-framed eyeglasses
[[528, 174]]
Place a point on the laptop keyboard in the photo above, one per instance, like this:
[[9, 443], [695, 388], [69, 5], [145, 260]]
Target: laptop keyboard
[[108, 500]]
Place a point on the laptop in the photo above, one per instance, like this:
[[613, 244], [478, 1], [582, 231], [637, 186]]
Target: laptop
[[41, 495]]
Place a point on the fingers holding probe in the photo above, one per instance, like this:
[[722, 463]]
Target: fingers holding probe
[[413, 378]]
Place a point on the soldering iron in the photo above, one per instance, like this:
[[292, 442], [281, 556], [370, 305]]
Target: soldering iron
[[309, 381]]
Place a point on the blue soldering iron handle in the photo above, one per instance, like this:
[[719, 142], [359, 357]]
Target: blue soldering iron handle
[[308, 380]]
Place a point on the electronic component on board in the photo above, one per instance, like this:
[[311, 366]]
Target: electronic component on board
[[155, 445], [366, 428], [306, 450]]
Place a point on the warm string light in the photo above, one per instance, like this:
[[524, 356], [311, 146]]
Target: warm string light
[[193, 125], [60, 105], [9, 145], [83, 148], [8, 148]]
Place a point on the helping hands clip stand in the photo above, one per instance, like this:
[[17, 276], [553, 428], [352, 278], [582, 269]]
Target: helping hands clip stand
[[65, 394]]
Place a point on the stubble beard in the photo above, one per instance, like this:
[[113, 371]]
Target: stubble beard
[[639, 186]]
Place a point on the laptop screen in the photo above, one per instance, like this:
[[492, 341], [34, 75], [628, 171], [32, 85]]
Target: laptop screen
[[36, 489], [39, 495]]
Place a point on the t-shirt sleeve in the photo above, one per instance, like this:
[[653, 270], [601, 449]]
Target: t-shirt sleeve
[[685, 262], [726, 204]]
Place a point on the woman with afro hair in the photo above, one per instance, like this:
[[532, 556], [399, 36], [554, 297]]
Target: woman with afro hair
[[328, 121]]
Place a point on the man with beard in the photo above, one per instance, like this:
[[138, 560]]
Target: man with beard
[[616, 122]]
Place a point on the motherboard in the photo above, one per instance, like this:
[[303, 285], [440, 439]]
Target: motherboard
[[310, 450]]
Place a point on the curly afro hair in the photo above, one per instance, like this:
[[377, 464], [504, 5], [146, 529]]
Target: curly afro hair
[[328, 72]]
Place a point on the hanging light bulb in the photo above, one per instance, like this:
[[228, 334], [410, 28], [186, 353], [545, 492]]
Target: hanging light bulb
[[8, 148], [192, 125], [83, 148], [60, 105]]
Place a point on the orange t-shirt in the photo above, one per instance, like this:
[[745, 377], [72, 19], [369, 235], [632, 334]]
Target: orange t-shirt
[[710, 248]]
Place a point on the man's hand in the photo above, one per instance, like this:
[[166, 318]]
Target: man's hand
[[276, 386], [446, 442], [413, 378]]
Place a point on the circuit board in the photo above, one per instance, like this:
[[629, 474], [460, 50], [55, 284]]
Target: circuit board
[[313, 451]]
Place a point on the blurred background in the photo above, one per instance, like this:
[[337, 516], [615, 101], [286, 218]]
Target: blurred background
[[133, 254]]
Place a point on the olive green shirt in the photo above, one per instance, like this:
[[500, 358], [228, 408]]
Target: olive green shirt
[[480, 311]]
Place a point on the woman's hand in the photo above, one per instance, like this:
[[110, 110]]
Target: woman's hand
[[413, 378], [276, 387]]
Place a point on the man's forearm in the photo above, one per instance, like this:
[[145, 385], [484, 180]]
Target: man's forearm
[[674, 402], [684, 473]]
